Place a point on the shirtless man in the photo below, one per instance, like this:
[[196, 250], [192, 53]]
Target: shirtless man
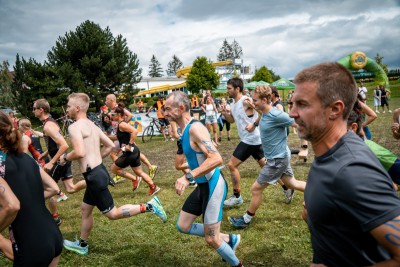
[[86, 139]]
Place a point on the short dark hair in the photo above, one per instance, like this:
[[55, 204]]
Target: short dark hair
[[236, 82], [334, 82]]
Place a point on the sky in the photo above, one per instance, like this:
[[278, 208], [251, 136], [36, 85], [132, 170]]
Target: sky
[[285, 36]]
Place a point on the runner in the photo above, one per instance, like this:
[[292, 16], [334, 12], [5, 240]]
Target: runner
[[208, 197], [86, 139]]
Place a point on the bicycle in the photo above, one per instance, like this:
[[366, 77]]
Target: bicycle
[[148, 132]]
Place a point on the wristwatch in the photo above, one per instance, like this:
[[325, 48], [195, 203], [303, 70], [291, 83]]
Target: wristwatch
[[189, 177], [255, 123]]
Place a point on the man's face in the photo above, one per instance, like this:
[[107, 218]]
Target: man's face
[[109, 102], [171, 112], [232, 92], [36, 111], [71, 109], [308, 113]]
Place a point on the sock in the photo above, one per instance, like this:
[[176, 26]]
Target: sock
[[83, 243], [236, 192], [152, 186], [144, 208], [248, 216], [197, 229], [55, 215], [284, 187], [226, 252]]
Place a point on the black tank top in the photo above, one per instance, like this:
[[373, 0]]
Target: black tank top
[[123, 137], [52, 146], [34, 221]]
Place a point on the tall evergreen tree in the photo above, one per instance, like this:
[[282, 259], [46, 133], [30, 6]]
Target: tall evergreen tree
[[174, 65], [236, 50], [225, 52], [6, 96], [92, 60], [202, 76], [155, 69]]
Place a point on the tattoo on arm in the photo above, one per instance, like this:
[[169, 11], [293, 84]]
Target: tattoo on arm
[[122, 172], [209, 146], [125, 212], [211, 232], [393, 238]]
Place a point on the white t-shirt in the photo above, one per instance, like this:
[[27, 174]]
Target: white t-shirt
[[242, 120], [362, 91]]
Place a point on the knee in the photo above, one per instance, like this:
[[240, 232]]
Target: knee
[[181, 228], [231, 166]]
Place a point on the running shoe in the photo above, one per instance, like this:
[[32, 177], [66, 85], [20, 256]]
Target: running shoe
[[288, 195], [118, 179], [57, 220], [136, 183], [153, 171], [233, 201], [156, 208], [238, 222], [234, 240], [62, 197], [153, 191], [75, 247]]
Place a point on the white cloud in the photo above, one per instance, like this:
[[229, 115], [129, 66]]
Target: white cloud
[[285, 36]]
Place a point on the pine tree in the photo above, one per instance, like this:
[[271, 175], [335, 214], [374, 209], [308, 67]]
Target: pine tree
[[225, 52], [236, 50], [6, 96], [174, 65], [378, 59], [155, 69]]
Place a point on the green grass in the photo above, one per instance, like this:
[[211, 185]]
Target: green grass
[[276, 237]]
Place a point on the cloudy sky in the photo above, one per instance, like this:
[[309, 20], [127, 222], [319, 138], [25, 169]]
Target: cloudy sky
[[283, 35]]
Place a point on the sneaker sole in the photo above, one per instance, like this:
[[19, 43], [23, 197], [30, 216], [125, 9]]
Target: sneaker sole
[[235, 204], [76, 251]]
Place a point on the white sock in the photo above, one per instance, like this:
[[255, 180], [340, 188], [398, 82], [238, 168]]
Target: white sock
[[247, 218]]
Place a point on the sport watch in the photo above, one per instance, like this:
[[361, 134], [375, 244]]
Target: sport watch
[[189, 177]]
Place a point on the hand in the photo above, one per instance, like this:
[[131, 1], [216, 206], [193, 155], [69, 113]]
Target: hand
[[250, 103], [250, 127], [42, 156], [62, 161], [180, 185], [48, 166], [395, 128]]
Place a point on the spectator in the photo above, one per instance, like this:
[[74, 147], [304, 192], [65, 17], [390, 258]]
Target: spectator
[[377, 98], [194, 101], [222, 121], [211, 118], [384, 98], [362, 92], [140, 106]]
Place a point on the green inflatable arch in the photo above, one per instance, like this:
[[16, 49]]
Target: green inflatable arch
[[358, 60]]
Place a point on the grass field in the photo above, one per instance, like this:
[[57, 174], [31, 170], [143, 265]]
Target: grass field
[[276, 237]]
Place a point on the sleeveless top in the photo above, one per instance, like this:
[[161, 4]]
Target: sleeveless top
[[196, 158], [35, 154], [123, 137], [210, 110], [242, 120], [52, 146]]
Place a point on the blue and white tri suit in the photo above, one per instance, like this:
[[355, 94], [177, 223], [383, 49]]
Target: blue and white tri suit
[[208, 197]]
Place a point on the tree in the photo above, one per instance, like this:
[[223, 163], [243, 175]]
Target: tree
[[378, 59], [91, 60], [236, 50], [155, 69], [6, 96], [225, 52], [274, 76], [174, 65], [202, 76], [262, 74]]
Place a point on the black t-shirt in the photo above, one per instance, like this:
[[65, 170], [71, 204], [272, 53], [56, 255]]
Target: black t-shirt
[[348, 194]]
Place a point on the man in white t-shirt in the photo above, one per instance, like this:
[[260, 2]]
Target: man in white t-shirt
[[362, 91]]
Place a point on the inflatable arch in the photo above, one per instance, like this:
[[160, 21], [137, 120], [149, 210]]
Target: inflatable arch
[[358, 60]]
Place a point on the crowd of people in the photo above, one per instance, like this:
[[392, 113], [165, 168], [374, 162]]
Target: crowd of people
[[353, 219]]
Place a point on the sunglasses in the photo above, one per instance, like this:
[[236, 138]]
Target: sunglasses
[[112, 114]]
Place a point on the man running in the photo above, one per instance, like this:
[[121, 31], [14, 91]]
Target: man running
[[86, 139], [250, 142], [56, 147], [207, 199]]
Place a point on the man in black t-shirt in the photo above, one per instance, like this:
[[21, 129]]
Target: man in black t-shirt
[[352, 210]]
